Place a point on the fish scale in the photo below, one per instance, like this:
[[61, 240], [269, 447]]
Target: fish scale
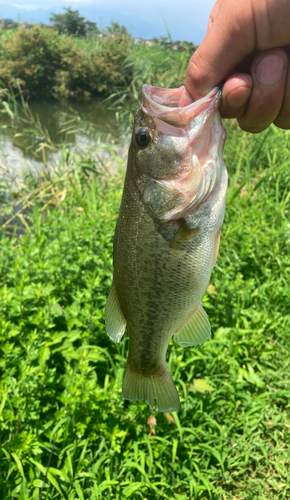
[[167, 236]]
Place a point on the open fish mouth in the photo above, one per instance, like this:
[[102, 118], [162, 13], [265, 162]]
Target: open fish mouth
[[163, 104]]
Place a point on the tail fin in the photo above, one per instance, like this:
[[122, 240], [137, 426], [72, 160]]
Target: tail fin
[[160, 387]]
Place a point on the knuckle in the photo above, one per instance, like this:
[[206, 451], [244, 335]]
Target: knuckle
[[196, 79], [195, 65]]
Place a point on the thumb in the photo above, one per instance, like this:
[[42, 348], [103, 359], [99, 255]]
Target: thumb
[[230, 37]]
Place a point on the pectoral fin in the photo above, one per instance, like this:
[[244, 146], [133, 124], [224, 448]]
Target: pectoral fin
[[216, 247], [195, 331], [114, 318], [182, 242]]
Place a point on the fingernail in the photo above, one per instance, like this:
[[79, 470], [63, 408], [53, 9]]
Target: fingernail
[[270, 69], [238, 97]]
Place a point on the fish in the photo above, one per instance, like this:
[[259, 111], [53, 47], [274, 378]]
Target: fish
[[167, 237]]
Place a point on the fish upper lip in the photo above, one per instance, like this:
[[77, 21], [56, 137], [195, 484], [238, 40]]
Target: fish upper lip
[[149, 90], [160, 103]]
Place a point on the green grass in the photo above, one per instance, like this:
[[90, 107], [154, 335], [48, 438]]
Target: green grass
[[61, 377], [157, 65], [7, 33]]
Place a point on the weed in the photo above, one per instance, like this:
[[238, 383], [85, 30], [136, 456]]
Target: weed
[[62, 415]]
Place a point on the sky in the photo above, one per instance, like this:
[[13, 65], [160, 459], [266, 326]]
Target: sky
[[186, 19]]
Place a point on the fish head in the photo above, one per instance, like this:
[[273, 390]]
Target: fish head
[[175, 156]]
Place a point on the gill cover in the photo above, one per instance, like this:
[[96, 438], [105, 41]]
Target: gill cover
[[186, 144]]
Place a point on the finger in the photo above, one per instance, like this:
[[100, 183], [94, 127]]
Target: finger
[[230, 38], [269, 69], [283, 118], [185, 99], [236, 92], [213, 14]]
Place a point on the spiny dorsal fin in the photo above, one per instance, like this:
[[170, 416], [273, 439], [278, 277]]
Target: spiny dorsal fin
[[114, 318], [195, 331]]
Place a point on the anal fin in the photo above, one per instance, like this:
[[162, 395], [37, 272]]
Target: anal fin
[[195, 331], [114, 318]]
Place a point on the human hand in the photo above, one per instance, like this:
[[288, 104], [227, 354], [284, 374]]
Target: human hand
[[245, 45]]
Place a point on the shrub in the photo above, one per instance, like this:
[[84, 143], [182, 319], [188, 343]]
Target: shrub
[[115, 49], [98, 71], [46, 64], [32, 58]]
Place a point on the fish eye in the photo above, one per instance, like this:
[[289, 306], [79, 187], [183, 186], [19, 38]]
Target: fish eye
[[143, 137]]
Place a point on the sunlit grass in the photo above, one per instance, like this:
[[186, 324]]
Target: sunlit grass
[[61, 376], [155, 65]]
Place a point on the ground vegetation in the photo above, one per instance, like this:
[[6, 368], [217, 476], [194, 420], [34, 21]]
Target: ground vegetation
[[65, 430]]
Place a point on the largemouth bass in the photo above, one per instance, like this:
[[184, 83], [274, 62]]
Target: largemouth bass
[[167, 237]]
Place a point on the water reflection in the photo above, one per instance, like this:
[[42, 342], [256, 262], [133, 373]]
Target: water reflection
[[81, 122], [95, 112]]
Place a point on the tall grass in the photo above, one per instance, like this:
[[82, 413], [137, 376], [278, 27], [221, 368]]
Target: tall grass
[[155, 65], [65, 430]]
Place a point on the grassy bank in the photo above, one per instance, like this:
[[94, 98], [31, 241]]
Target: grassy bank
[[61, 403]]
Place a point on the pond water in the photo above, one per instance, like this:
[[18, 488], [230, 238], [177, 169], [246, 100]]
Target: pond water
[[95, 117]]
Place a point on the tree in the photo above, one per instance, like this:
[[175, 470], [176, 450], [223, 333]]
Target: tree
[[91, 28], [116, 29], [72, 23]]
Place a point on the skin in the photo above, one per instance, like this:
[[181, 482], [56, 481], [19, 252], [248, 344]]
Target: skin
[[246, 46]]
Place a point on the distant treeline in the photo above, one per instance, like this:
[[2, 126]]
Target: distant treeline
[[73, 58], [69, 23]]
